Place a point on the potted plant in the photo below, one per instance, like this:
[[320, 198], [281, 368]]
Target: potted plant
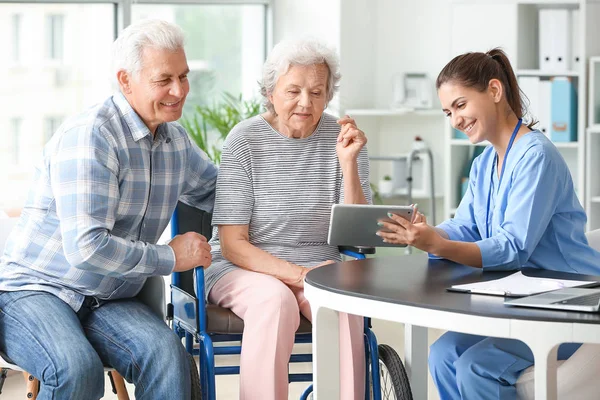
[[386, 186], [210, 124]]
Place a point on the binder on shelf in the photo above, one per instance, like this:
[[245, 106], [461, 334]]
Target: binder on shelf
[[545, 37], [545, 108], [564, 110], [575, 50], [530, 85], [464, 179], [555, 40], [561, 40], [459, 134]]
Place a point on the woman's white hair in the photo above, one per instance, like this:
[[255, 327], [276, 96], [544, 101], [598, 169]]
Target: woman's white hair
[[129, 47], [305, 51]]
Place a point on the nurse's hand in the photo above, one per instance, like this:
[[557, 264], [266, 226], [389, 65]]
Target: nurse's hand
[[419, 234]]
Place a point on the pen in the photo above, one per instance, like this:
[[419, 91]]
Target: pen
[[492, 292], [414, 212]]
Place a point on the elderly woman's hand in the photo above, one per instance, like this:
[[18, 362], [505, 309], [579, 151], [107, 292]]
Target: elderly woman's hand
[[350, 140], [299, 283], [417, 234]]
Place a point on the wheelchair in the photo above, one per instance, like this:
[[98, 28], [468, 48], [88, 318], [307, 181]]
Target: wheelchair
[[207, 324]]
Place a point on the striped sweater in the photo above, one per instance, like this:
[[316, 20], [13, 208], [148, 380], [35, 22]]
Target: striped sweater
[[283, 189]]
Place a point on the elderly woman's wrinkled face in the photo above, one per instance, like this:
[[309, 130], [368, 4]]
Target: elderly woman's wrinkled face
[[299, 98]]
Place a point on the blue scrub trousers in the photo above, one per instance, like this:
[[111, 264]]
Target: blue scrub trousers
[[478, 367]]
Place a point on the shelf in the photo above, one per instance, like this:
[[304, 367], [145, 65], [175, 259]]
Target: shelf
[[594, 128], [550, 2], [548, 74], [465, 142], [595, 199], [566, 145], [416, 194], [388, 112]]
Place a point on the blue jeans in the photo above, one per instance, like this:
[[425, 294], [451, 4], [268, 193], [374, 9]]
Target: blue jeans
[[477, 367], [66, 350]]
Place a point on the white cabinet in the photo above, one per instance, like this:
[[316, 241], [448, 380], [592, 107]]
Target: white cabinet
[[516, 28]]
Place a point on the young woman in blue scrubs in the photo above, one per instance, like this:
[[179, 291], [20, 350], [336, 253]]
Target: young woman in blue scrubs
[[520, 210]]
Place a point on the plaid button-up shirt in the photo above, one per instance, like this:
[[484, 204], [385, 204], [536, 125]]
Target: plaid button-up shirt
[[101, 198]]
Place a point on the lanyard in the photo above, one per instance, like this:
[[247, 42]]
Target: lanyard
[[489, 199]]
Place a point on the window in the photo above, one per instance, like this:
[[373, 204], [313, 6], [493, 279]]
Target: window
[[42, 94], [16, 38], [225, 47], [51, 124], [54, 37], [15, 125], [60, 64]]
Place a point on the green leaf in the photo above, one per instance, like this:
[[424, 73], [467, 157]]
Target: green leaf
[[218, 120]]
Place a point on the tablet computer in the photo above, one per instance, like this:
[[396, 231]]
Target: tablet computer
[[356, 224]]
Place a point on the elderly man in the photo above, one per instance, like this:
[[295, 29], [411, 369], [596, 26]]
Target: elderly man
[[104, 191]]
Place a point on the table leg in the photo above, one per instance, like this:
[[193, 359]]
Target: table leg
[[326, 353], [543, 339], [545, 380], [415, 358]]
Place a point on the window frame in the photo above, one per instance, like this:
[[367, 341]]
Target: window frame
[[16, 130], [16, 27], [55, 36], [123, 10]]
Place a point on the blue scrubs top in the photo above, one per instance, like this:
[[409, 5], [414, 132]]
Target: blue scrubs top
[[534, 218]]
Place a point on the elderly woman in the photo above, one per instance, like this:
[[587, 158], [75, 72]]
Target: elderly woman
[[280, 174]]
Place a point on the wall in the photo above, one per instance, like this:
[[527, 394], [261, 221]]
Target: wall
[[357, 53], [411, 36], [309, 17]]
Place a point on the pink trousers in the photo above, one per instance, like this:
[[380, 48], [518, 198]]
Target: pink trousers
[[271, 314]]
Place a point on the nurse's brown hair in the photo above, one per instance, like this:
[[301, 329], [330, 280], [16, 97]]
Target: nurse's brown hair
[[475, 70]]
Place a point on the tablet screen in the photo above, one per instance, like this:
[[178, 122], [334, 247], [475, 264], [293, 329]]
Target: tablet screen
[[356, 224]]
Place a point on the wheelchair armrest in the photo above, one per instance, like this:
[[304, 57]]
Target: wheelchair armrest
[[357, 249], [153, 295], [190, 301], [185, 309]]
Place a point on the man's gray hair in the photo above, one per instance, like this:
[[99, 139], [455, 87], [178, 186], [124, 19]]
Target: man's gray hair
[[129, 47], [306, 51]]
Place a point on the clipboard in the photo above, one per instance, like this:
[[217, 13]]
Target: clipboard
[[519, 285]]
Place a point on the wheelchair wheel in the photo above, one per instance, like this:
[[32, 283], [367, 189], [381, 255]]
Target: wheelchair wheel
[[392, 374], [195, 378]]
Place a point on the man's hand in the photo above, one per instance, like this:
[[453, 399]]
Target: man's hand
[[191, 251]]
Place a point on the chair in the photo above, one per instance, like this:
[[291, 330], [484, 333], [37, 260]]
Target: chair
[[152, 294], [577, 377], [206, 324], [6, 226]]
